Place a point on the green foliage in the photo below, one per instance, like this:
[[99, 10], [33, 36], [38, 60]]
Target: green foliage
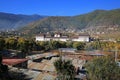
[[79, 45], [51, 45], [103, 68], [26, 45], [0, 59], [65, 69], [30, 45], [99, 45], [2, 43], [11, 43], [69, 44], [96, 45]]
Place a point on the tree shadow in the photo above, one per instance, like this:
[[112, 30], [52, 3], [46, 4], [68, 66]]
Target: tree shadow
[[18, 76]]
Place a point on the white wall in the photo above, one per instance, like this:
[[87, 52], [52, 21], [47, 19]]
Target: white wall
[[82, 39], [39, 38], [63, 39], [79, 39], [47, 39]]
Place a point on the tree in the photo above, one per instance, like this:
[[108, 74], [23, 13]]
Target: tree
[[65, 69], [23, 46], [69, 44], [2, 43], [43, 45], [32, 45], [3, 71], [62, 44], [0, 59], [79, 45], [103, 68], [54, 44], [11, 43]]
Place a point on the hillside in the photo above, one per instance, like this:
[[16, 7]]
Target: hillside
[[12, 21], [90, 21], [100, 18], [50, 24]]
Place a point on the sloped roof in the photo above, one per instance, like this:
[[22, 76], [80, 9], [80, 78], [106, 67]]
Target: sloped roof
[[84, 34], [13, 61], [74, 37], [41, 34]]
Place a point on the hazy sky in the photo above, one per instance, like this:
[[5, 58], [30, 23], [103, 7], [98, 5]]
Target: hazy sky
[[56, 7]]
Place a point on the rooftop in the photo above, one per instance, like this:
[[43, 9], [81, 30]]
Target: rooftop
[[13, 61]]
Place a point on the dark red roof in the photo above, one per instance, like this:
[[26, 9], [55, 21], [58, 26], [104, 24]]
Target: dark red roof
[[13, 61]]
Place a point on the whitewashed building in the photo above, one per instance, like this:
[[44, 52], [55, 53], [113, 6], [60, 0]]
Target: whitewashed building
[[40, 37], [81, 38], [59, 37]]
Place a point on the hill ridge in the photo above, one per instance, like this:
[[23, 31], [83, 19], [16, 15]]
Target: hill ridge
[[93, 19]]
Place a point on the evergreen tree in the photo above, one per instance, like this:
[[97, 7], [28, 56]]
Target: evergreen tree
[[65, 69], [103, 68]]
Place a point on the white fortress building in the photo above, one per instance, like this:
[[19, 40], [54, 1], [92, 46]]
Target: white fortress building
[[60, 37]]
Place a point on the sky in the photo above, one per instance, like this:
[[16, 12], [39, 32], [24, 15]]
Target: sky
[[56, 7]]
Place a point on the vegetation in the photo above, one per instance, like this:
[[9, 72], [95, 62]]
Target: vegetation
[[27, 46], [103, 68], [3, 71], [65, 69], [2, 43], [99, 45], [22, 43], [79, 45], [104, 46]]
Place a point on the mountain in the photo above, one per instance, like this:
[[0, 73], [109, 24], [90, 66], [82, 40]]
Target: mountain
[[50, 24], [100, 18], [96, 20], [12, 21]]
